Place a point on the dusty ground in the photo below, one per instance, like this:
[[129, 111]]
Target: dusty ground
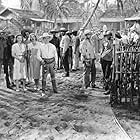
[[68, 115], [129, 118]]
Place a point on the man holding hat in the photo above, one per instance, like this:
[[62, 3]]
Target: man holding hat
[[88, 57], [47, 54]]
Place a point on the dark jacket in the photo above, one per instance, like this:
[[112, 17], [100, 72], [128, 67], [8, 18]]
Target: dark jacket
[[55, 41]]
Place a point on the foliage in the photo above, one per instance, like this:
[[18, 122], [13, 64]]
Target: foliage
[[57, 8], [26, 4]]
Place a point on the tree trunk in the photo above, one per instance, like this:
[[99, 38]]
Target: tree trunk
[[88, 20]]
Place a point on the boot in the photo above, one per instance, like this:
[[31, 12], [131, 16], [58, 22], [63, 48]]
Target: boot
[[36, 84], [43, 86], [54, 86]]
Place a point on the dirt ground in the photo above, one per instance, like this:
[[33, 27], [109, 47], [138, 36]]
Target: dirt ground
[[67, 115], [129, 118]]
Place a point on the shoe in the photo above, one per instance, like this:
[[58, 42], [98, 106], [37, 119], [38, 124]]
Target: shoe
[[38, 89], [107, 92], [89, 88], [73, 70], [17, 90], [66, 75], [42, 94], [94, 86], [55, 91], [35, 88], [24, 89], [9, 87], [54, 86]]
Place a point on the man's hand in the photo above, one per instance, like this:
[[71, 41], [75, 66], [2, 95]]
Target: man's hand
[[55, 67], [42, 62], [22, 60]]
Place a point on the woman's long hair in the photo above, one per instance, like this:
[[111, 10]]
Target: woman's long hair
[[17, 37]]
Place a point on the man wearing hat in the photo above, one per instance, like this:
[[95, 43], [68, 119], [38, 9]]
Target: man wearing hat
[[88, 57], [55, 41], [64, 45], [106, 59], [76, 44], [47, 54]]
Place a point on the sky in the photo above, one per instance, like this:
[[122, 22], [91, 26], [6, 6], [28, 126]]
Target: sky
[[16, 3], [11, 3]]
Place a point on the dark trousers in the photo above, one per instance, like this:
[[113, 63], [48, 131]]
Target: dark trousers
[[70, 56], [1, 62], [8, 70], [106, 67], [89, 74], [66, 61], [59, 58], [46, 69]]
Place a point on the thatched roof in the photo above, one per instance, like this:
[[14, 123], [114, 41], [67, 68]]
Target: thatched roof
[[69, 20], [111, 15], [135, 17], [22, 13]]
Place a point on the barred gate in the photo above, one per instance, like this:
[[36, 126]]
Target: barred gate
[[125, 84]]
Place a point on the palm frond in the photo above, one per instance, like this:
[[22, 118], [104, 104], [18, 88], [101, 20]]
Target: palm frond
[[26, 4]]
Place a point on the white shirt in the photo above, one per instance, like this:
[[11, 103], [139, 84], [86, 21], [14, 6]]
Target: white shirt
[[47, 51], [124, 39], [135, 37], [64, 43]]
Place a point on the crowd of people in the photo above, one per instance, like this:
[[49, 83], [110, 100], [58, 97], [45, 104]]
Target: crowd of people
[[24, 56]]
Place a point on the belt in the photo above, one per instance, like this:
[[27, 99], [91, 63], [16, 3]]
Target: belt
[[49, 60]]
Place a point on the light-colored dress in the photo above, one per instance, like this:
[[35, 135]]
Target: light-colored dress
[[34, 62], [19, 68]]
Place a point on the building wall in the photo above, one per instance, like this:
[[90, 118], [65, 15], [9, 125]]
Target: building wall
[[69, 26], [116, 26]]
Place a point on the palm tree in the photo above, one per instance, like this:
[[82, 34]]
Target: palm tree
[[56, 8], [26, 4], [92, 13]]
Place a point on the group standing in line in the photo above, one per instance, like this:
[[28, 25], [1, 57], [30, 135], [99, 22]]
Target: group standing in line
[[27, 55]]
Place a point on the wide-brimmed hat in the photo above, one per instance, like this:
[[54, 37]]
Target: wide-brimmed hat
[[68, 32], [63, 29], [53, 31], [87, 32], [45, 35], [74, 31], [117, 34], [108, 33]]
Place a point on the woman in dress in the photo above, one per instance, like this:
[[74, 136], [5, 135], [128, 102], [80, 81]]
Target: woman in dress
[[34, 62], [18, 52]]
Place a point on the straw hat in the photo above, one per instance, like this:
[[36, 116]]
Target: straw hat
[[54, 31], [46, 35], [87, 32], [63, 29]]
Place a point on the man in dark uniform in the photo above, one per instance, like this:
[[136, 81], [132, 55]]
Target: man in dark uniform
[[2, 46], [8, 61], [55, 41]]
